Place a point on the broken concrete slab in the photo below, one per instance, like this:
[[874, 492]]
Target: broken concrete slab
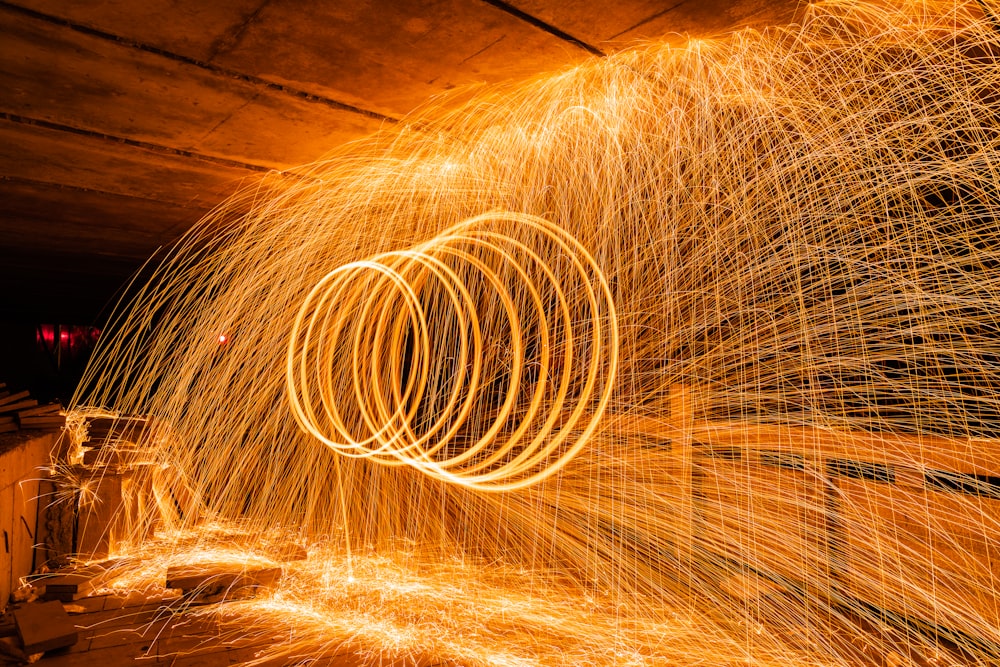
[[44, 626], [215, 578], [69, 585]]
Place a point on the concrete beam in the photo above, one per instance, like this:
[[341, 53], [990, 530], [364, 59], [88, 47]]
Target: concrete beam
[[55, 74]]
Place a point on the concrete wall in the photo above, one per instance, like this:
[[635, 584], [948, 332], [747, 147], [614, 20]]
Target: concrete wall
[[23, 456]]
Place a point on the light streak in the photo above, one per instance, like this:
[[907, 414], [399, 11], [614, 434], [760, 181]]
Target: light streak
[[460, 342], [498, 459]]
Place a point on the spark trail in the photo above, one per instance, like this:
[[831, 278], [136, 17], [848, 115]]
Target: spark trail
[[456, 348]]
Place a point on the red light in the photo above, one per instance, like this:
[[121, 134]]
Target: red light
[[223, 339]]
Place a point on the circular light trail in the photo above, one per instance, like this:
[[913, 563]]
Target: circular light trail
[[389, 359]]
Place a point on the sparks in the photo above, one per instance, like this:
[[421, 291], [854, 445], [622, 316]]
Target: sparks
[[689, 356]]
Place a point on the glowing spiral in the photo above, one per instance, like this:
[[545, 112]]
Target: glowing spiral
[[485, 356]]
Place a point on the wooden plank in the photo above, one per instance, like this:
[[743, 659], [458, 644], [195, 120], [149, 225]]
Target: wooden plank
[[48, 408], [968, 455], [137, 600], [43, 421], [44, 626], [86, 605], [13, 398], [68, 585], [14, 407], [771, 518], [216, 577], [682, 420], [923, 554]]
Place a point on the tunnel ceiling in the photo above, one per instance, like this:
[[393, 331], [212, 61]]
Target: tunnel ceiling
[[124, 122]]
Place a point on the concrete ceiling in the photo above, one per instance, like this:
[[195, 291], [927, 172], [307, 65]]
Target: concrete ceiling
[[123, 122]]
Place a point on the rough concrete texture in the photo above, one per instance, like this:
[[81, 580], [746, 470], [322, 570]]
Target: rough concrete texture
[[122, 123], [22, 457]]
